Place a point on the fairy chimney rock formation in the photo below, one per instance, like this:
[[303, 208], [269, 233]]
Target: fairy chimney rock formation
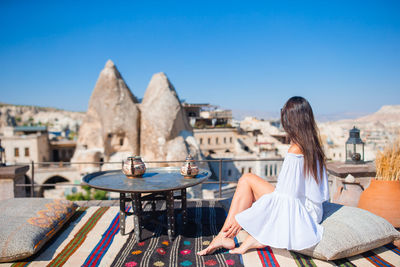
[[165, 133], [110, 129]]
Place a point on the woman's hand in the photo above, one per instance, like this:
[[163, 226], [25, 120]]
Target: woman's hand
[[231, 230]]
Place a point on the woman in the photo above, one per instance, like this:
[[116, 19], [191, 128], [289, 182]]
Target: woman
[[287, 216]]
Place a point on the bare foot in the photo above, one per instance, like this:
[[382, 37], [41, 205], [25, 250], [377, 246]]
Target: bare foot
[[218, 242], [249, 243]]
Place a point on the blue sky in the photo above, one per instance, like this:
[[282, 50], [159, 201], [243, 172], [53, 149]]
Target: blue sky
[[344, 56]]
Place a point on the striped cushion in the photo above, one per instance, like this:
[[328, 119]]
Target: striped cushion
[[350, 231], [26, 224]]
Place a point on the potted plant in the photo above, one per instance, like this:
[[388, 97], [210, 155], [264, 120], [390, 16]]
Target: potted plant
[[382, 196]]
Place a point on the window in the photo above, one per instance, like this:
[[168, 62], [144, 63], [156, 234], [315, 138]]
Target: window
[[224, 140], [16, 152], [229, 172], [249, 169], [201, 141], [275, 169], [121, 141], [209, 141], [242, 170], [216, 140], [266, 170], [270, 171], [230, 140], [26, 151]]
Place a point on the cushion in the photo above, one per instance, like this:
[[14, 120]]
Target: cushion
[[26, 224], [349, 231]]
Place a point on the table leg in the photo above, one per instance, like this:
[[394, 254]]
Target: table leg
[[184, 206], [136, 215], [122, 213], [140, 210], [170, 215]]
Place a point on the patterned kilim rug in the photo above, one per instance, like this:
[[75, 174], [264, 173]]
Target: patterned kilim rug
[[91, 238], [206, 220]]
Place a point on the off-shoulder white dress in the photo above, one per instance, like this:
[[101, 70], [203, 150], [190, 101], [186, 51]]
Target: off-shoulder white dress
[[289, 217]]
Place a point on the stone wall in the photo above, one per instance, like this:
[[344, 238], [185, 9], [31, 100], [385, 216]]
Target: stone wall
[[9, 177], [349, 181]]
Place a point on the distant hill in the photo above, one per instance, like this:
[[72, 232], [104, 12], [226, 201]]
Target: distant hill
[[339, 116], [54, 118], [384, 114], [32, 107], [239, 114], [377, 130]]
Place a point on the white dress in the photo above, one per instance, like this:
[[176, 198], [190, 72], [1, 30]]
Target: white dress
[[289, 217]]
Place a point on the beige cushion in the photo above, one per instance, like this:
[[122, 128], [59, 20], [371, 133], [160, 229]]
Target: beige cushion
[[26, 224], [349, 231]]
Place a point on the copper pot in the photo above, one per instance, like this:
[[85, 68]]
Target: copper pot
[[189, 168], [134, 167]]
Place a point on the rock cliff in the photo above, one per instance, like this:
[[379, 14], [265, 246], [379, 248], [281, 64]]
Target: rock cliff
[[116, 126], [165, 131], [110, 129]]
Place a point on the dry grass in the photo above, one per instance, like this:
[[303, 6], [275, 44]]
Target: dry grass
[[388, 163]]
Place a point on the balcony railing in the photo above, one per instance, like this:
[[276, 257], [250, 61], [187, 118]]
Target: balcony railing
[[268, 172]]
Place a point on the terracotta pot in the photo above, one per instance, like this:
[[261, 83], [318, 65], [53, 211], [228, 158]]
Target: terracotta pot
[[382, 198]]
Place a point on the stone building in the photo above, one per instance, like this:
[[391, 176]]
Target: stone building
[[206, 115], [193, 111], [216, 140], [62, 150], [253, 147], [26, 143]]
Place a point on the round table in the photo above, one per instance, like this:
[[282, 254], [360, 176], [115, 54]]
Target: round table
[[159, 183]]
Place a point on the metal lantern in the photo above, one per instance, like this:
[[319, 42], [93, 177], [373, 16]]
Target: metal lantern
[[354, 147], [2, 156]]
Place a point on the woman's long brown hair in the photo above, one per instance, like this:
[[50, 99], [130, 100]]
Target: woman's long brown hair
[[297, 120]]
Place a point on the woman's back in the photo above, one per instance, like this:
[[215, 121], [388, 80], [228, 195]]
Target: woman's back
[[293, 182]]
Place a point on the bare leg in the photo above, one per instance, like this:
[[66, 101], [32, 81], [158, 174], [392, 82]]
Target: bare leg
[[249, 189], [249, 243]]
